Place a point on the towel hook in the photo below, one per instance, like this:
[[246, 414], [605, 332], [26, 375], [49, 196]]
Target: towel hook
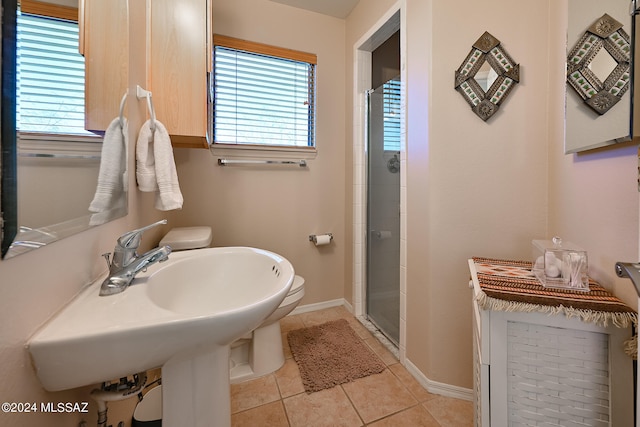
[[142, 93], [123, 102]]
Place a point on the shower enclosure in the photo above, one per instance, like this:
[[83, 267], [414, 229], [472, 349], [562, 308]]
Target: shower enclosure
[[383, 208]]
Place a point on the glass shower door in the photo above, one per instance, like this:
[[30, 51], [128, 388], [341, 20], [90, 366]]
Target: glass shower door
[[383, 209]]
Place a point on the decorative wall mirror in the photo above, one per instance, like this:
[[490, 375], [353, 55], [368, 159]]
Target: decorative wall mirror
[[599, 105], [599, 65], [49, 177], [486, 76]]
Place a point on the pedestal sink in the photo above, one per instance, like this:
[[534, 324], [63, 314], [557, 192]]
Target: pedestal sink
[[181, 315]]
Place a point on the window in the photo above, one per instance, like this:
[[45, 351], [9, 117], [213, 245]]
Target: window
[[391, 102], [263, 95], [50, 74]]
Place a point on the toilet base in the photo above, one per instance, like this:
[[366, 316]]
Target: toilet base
[[258, 354]]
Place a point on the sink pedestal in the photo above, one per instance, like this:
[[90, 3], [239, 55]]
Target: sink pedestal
[[195, 388]]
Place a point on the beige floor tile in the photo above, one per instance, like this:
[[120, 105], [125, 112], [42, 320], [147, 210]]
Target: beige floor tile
[[250, 394], [314, 318], [343, 312], [378, 348], [326, 408], [389, 399], [378, 395], [419, 392], [360, 329], [416, 416], [288, 379], [450, 412], [291, 322], [286, 349], [271, 414]]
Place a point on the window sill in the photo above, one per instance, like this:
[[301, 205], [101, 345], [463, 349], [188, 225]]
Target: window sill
[[58, 145], [262, 151]]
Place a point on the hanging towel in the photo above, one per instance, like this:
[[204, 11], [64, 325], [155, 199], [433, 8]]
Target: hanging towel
[[156, 168], [112, 177]]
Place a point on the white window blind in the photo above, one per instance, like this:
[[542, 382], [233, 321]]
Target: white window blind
[[391, 114], [263, 100], [50, 76]]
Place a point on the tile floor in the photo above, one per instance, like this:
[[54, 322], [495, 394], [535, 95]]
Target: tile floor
[[392, 398]]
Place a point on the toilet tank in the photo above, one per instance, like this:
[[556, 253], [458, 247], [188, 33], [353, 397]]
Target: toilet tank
[[183, 238]]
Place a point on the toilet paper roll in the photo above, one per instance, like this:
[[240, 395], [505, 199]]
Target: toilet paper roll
[[322, 239]]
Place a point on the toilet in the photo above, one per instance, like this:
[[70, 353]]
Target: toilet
[[259, 352]]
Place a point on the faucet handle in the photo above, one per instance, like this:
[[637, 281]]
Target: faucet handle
[[107, 256], [131, 239]]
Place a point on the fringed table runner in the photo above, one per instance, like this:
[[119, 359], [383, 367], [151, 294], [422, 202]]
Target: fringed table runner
[[511, 286]]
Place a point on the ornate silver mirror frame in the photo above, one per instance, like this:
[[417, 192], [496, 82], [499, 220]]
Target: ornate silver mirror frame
[[487, 49], [605, 33]]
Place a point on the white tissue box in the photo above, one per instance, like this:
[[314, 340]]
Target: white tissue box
[[559, 264]]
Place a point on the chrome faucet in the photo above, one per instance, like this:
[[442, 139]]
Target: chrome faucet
[[630, 270], [126, 263]]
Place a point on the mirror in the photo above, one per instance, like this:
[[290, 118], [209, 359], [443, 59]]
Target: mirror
[[486, 76], [599, 105], [50, 175]]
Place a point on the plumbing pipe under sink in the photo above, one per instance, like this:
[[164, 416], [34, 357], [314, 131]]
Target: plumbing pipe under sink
[[110, 392]]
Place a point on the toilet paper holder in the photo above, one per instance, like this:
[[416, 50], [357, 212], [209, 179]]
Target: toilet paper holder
[[314, 237]]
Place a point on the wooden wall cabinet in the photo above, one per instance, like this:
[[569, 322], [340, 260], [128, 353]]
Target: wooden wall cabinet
[[104, 43], [179, 65]]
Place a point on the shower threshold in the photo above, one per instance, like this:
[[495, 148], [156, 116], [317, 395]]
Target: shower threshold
[[389, 344]]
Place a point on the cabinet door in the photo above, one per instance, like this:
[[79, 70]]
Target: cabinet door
[[179, 65], [104, 42]]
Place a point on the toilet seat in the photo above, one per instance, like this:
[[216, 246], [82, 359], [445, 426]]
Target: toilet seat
[[295, 293], [298, 283]]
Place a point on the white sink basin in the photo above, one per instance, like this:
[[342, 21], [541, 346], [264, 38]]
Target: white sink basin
[[183, 312]]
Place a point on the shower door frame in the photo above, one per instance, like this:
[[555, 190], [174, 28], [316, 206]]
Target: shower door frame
[[373, 314], [390, 22]]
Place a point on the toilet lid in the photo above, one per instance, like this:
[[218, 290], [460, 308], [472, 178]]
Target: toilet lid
[[297, 286]]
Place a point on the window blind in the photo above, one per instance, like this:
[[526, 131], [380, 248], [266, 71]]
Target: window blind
[[263, 100], [391, 114], [50, 76]]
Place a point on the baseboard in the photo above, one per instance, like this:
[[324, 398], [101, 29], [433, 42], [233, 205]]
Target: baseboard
[[436, 387], [320, 306]]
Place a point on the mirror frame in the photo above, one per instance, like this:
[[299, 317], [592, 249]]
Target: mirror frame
[[609, 34], [487, 49], [8, 135], [15, 238], [584, 125]]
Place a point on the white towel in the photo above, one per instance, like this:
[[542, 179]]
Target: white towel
[[156, 168], [112, 177]]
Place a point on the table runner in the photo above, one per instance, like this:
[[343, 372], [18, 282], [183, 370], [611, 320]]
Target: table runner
[[508, 285]]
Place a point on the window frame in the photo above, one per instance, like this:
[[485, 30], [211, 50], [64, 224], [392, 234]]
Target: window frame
[[268, 50], [62, 142]]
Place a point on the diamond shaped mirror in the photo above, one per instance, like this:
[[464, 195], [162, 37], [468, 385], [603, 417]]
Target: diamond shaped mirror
[[486, 76], [599, 110]]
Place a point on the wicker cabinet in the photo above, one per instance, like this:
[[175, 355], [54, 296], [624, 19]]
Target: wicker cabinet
[[180, 64], [104, 43], [535, 369]]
